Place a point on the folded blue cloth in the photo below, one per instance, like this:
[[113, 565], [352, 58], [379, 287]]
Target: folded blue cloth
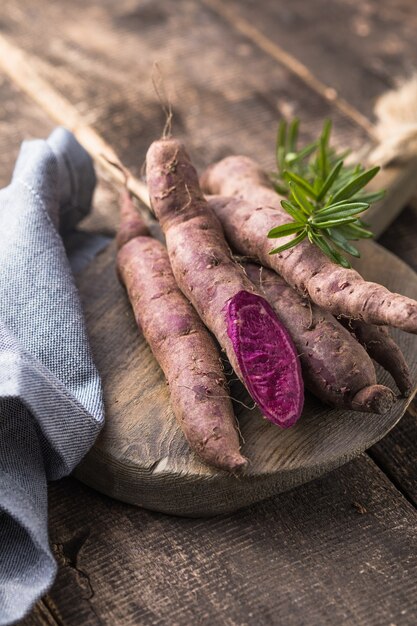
[[50, 394]]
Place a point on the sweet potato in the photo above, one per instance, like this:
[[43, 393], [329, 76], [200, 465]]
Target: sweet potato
[[255, 210], [335, 367], [383, 349], [181, 344], [258, 347], [131, 223]]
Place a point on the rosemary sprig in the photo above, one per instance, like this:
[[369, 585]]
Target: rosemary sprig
[[323, 196]]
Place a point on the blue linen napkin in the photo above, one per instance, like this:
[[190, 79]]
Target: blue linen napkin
[[50, 393]]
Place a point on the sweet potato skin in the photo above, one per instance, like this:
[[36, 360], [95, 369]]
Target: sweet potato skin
[[335, 367], [200, 257], [183, 348], [255, 209], [131, 222], [382, 348]]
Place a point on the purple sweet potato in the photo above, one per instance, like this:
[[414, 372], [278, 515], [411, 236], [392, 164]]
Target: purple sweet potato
[[181, 344], [382, 348], [255, 210], [218, 287], [131, 223], [335, 367], [251, 321]]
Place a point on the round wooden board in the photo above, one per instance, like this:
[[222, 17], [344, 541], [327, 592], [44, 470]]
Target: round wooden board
[[141, 456]]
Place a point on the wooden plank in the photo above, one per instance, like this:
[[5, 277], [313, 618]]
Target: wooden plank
[[40, 616], [21, 69], [396, 454], [103, 66], [274, 90], [399, 184], [342, 549], [282, 56], [359, 49], [401, 239], [19, 119], [268, 27]]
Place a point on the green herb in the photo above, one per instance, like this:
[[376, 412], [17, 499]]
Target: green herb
[[324, 196]]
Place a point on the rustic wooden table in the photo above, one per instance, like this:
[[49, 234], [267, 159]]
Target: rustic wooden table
[[341, 549]]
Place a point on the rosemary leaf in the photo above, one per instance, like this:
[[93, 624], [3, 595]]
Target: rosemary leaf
[[294, 211], [356, 184], [340, 213], [341, 241], [301, 199], [291, 177], [293, 135], [285, 229], [324, 197], [329, 180], [290, 244]]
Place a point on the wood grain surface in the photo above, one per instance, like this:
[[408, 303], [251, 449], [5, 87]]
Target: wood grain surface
[[19, 120], [340, 550], [358, 49], [396, 454], [234, 110], [141, 456], [120, 92]]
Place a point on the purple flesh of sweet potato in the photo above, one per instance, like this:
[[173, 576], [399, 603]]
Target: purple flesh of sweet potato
[[265, 351]]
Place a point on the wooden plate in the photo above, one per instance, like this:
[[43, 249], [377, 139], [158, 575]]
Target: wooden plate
[[141, 456]]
